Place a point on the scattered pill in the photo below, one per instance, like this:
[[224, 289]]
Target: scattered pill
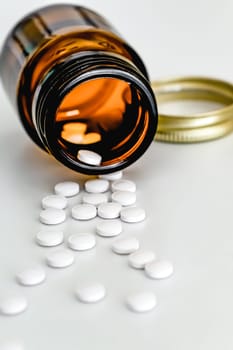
[[109, 228], [109, 210], [11, 345], [67, 188], [123, 185], [91, 293], [31, 276], [95, 198], [125, 198], [96, 186], [60, 259], [133, 215], [159, 269], [49, 238], [52, 216], [13, 305], [82, 241], [126, 245], [140, 258], [89, 157], [112, 176], [54, 201], [93, 202], [84, 212], [141, 302]]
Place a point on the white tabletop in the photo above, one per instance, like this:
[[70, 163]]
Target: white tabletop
[[185, 189]]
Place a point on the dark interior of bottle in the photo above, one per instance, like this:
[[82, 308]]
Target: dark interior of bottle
[[105, 115]]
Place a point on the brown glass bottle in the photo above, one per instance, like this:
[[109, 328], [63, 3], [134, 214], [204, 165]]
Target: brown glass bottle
[[78, 85]]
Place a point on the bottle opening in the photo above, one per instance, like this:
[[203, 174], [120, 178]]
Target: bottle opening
[[106, 115]]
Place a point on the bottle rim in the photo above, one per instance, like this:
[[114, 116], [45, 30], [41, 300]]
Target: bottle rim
[[67, 75]]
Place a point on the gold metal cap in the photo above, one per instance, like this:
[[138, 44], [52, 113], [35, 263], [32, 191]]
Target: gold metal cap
[[195, 127]]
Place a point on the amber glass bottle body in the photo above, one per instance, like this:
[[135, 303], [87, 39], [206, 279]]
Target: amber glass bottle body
[[78, 85]]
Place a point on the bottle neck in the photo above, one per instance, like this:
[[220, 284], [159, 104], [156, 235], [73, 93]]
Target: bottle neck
[[124, 136]]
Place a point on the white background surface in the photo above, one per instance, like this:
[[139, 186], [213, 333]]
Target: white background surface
[[186, 190]]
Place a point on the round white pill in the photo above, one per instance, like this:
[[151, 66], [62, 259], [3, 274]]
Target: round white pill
[[31, 276], [91, 137], [11, 345], [52, 216], [133, 215], [140, 258], [109, 210], [96, 186], [124, 198], [67, 188], [72, 137], [91, 293], [75, 126], [141, 302], [83, 212], [112, 176], [109, 228], [95, 198], [13, 305], [159, 269], [125, 245], [60, 258], [82, 241], [54, 201], [123, 185], [89, 157], [49, 238]]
